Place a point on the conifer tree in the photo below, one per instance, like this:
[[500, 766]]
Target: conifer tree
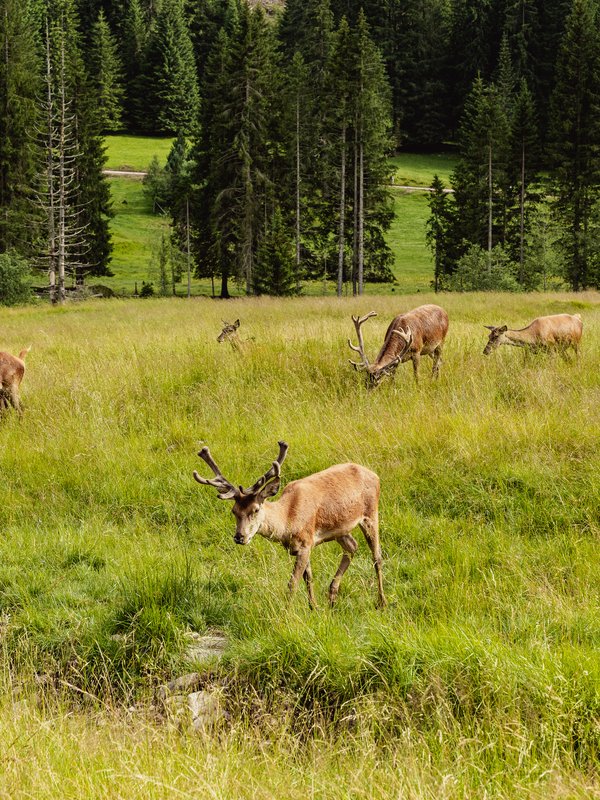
[[106, 75], [575, 140], [19, 118], [171, 84], [440, 235], [276, 273]]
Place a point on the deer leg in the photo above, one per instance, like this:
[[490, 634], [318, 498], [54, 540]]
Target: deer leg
[[13, 398], [416, 358], [370, 528], [308, 579], [437, 361], [349, 545], [302, 562]]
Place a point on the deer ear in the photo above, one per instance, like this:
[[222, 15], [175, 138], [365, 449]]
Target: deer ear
[[236, 324], [490, 327], [269, 490], [503, 329]]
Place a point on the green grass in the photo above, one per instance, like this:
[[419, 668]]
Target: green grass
[[136, 233], [418, 169], [482, 677], [135, 153]]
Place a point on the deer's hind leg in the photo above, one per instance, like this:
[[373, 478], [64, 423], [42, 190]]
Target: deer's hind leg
[[437, 361], [370, 528], [308, 579], [349, 545]]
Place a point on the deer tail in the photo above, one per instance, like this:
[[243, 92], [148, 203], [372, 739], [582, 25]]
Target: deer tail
[[24, 352]]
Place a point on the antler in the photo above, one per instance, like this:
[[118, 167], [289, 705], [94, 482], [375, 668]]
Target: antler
[[227, 491], [406, 335], [273, 472], [358, 322]]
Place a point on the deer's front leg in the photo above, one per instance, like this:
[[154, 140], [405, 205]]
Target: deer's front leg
[[308, 579], [302, 562]]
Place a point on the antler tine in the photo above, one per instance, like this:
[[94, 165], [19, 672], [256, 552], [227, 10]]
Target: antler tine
[[273, 472], [226, 489], [358, 323]]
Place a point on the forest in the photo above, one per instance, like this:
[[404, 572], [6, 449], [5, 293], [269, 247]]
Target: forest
[[284, 118]]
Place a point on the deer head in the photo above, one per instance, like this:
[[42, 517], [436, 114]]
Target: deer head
[[248, 503], [376, 373], [229, 331], [496, 338]]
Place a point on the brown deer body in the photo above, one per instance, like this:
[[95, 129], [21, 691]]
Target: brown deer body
[[322, 507], [420, 332], [12, 370], [556, 332]]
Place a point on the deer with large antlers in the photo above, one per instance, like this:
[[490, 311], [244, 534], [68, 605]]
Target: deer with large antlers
[[420, 332], [12, 370], [322, 507]]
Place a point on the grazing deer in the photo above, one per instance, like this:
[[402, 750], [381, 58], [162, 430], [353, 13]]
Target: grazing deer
[[12, 370], [323, 507], [556, 332], [420, 332]]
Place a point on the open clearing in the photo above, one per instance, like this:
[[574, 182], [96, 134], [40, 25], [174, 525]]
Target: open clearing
[[481, 678]]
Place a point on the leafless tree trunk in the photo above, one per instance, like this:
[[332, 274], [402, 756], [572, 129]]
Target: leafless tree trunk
[[342, 231], [361, 214], [187, 247], [522, 218], [298, 180], [490, 208]]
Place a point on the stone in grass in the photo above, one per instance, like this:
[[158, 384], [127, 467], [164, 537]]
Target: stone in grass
[[197, 711], [203, 648]]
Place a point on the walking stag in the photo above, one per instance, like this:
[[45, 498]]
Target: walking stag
[[323, 507]]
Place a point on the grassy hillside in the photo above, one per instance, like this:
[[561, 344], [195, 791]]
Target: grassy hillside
[[481, 678], [136, 231]]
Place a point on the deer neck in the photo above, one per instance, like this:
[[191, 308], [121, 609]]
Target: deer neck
[[274, 523], [518, 338]]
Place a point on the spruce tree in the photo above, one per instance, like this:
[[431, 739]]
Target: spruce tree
[[106, 75], [171, 83], [575, 141], [440, 233], [19, 117], [276, 272]]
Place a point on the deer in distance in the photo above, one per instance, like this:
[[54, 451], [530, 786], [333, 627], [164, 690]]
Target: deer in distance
[[420, 332], [12, 369], [323, 507], [557, 332], [230, 334]]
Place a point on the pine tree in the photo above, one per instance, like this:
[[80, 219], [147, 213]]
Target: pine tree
[[106, 75], [276, 272], [19, 118], [440, 235], [171, 85], [480, 176], [575, 140]]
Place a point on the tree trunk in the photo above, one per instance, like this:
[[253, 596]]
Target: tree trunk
[[490, 209], [355, 216], [187, 247], [50, 174], [342, 232], [522, 218], [298, 178], [361, 215]]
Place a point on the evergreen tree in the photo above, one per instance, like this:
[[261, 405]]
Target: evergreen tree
[[19, 116], [440, 233], [575, 140], [171, 85], [106, 75], [480, 176], [276, 272]]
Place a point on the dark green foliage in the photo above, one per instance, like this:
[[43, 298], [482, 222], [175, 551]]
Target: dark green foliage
[[156, 186], [106, 74], [575, 143], [19, 116], [275, 268], [480, 271], [171, 84], [441, 234], [147, 289], [15, 279]]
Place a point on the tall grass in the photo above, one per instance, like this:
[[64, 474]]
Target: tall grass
[[482, 674]]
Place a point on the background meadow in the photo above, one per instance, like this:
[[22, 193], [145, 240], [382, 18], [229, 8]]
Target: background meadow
[[481, 676]]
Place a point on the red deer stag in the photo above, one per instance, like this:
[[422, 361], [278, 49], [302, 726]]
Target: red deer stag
[[420, 332], [323, 507], [557, 332], [12, 370]]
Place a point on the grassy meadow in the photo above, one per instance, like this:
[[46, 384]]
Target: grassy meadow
[[136, 231], [481, 678]]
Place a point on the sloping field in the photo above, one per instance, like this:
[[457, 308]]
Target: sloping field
[[481, 678]]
